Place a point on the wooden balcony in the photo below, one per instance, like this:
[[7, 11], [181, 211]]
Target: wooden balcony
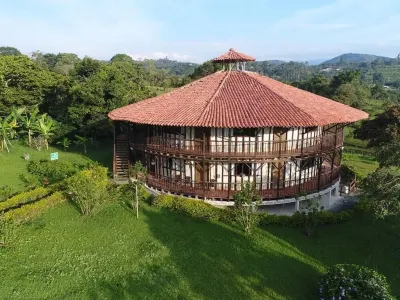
[[239, 149], [225, 191]]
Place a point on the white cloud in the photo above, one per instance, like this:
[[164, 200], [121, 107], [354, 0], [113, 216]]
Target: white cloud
[[97, 28]]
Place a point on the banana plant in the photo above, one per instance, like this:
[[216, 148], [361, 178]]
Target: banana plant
[[81, 140], [7, 129], [29, 122], [45, 127], [65, 143]]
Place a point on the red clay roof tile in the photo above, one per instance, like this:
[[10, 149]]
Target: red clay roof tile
[[232, 56], [238, 99]]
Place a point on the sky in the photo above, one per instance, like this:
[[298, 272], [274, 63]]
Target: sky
[[199, 30]]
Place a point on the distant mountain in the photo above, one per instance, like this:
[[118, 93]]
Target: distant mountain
[[314, 62], [354, 58], [276, 62]]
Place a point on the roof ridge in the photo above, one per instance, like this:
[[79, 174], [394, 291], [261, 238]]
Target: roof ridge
[[249, 74], [214, 95]]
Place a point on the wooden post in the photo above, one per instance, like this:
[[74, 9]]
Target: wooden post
[[204, 166], [137, 201], [114, 156]]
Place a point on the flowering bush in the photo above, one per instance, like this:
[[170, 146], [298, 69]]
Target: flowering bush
[[88, 189], [343, 282]]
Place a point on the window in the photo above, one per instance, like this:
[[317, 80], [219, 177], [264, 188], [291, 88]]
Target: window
[[244, 132], [242, 170]]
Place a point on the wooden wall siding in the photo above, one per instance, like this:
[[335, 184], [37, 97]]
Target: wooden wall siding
[[205, 162], [221, 142], [221, 191]]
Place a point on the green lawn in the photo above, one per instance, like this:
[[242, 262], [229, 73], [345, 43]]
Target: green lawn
[[111, 255], [13, 164], [357, 154]]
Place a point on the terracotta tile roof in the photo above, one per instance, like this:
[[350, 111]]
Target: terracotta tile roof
[[238, 99], [232, 56]]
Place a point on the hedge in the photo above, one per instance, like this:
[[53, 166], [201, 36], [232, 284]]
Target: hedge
[[30, 211], [24, 197], [298, 218], [201, 210], [194, 208]]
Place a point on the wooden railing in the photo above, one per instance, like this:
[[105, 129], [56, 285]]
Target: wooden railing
[[268, 190], [238, 148]]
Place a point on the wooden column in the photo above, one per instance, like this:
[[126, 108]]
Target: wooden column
[[279, 165], [203, 165], [334, 153], [301, 156]]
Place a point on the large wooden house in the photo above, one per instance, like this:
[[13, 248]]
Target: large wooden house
[[207, 138]]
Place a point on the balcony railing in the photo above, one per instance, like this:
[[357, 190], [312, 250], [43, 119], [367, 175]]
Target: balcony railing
[[236, 148], [268, 190]]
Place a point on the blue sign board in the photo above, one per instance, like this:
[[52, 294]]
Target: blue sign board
[[54, 156]]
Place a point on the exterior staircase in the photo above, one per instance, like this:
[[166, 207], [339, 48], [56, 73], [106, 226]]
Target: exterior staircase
[[121, 157]]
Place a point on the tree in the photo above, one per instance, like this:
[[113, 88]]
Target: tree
[[377, 78], [23, 82], [384, 129], [389, 154], [246, 203], [121, 57], [204, 69], [138, 173], [45, 126], [382, 191], [6, 51]]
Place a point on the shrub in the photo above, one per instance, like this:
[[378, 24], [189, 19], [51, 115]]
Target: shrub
[[353, 282], [297, 220], [125, 194], [24, 197], [5, 192], [88, 189], [30, 181], [246, 203], [29, 211], [53, 171]]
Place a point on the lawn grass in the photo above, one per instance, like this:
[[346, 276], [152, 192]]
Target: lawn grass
[[13, 164], [163, 255]]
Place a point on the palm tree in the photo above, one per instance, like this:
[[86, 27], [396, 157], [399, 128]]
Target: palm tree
[[45, 126], [29, 122]]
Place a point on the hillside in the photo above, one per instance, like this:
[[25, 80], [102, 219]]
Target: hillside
[[354, 58], [174, 67]]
